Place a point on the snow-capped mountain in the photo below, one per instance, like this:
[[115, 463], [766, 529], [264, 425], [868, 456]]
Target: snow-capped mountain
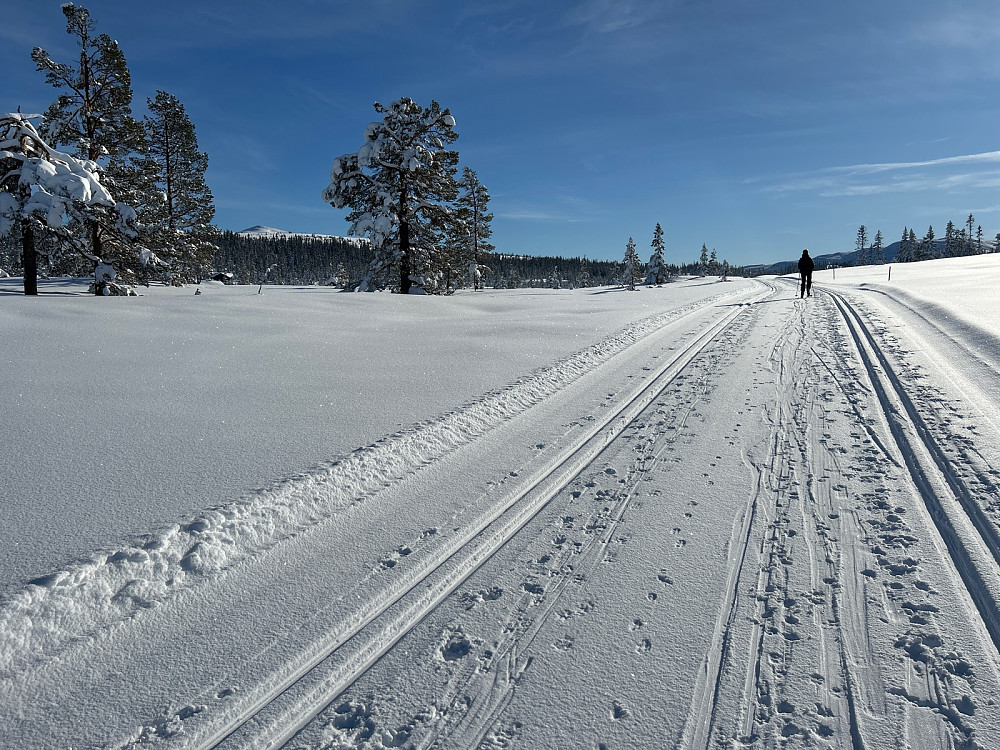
[[271, 232]]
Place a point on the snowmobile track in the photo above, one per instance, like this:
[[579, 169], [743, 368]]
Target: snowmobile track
[[334, 666]]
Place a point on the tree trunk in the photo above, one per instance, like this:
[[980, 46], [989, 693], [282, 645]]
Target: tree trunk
[[404, 258], [29, 260], [97, 247]]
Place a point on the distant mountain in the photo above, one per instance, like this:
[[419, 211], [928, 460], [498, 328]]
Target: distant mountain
[[830, 260], [272, 233], [262, 230]]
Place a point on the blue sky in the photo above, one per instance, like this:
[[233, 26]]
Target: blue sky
[[757, 127]]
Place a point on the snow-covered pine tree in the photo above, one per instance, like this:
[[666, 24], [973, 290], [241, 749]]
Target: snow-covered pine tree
[[861, 246], [962, 241], [950, 240], [703, 260], [969, 248], [632, 266], [713, 263], [555, 280], [979, 240], [93, 116], [904, 254], [340, 278], [583, 275], [44, 191], [473, 201], [656, 270], [397, 187], [176, 208], [927, 249], [877, 251]]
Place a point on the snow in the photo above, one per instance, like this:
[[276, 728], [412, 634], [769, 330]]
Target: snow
[[58, 184], [697, 515], [262, 231]]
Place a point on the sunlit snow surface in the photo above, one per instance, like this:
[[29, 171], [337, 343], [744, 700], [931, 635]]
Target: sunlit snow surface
[[204, 495]]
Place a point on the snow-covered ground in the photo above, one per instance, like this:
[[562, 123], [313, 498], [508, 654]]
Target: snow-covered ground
[[703, 515]]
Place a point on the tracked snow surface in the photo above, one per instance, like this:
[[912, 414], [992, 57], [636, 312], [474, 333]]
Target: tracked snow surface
[[703, 515]]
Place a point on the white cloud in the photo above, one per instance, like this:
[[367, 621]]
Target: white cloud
[[952, 173]]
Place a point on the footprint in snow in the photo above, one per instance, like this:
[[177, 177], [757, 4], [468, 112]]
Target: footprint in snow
[[456, 647], [619, 712], [565, 643]]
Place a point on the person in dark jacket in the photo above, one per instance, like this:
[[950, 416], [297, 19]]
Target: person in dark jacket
[[806, 274]]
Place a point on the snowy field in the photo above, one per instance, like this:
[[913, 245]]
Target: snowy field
[[704, 515]]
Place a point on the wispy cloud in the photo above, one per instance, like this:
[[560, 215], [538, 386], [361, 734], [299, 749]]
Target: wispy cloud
[[951, 173], [563, 209], [987, 156], [968, 29], [612, 16]]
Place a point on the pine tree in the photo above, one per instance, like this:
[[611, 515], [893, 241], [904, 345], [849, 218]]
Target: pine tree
[[45, 194], [905, 252], [177, 207], [472, 209], [979, 240], [583, 279], [861, 247], [703, 260], [555, 280], [656, 270], [950, 241], [340, 278], [877, 251], [969, 224], [93, 114], [397, 187], [713, 263], [632, 266], [927, 250]]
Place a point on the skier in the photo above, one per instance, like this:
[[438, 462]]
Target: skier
[[806, 274]]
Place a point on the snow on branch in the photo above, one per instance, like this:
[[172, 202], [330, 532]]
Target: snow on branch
[[41, 182]]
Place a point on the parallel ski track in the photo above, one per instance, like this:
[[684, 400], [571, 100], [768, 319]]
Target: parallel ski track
[[969, 536], [292, 704]]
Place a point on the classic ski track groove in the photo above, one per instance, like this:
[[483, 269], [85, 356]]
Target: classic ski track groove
[[472, 728], [970, 538], [967, 534], [107, 587], [292, 704]]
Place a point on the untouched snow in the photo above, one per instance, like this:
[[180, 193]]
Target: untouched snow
[[701, 515]]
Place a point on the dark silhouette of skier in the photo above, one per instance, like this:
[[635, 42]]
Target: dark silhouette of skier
[[806, 274]]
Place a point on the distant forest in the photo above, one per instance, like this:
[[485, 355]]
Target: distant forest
[[342, 261]]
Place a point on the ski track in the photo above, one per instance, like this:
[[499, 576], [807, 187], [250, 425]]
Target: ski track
[[817, 612], [60, 609], [839, 627], [279, 714], [565, 551]]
